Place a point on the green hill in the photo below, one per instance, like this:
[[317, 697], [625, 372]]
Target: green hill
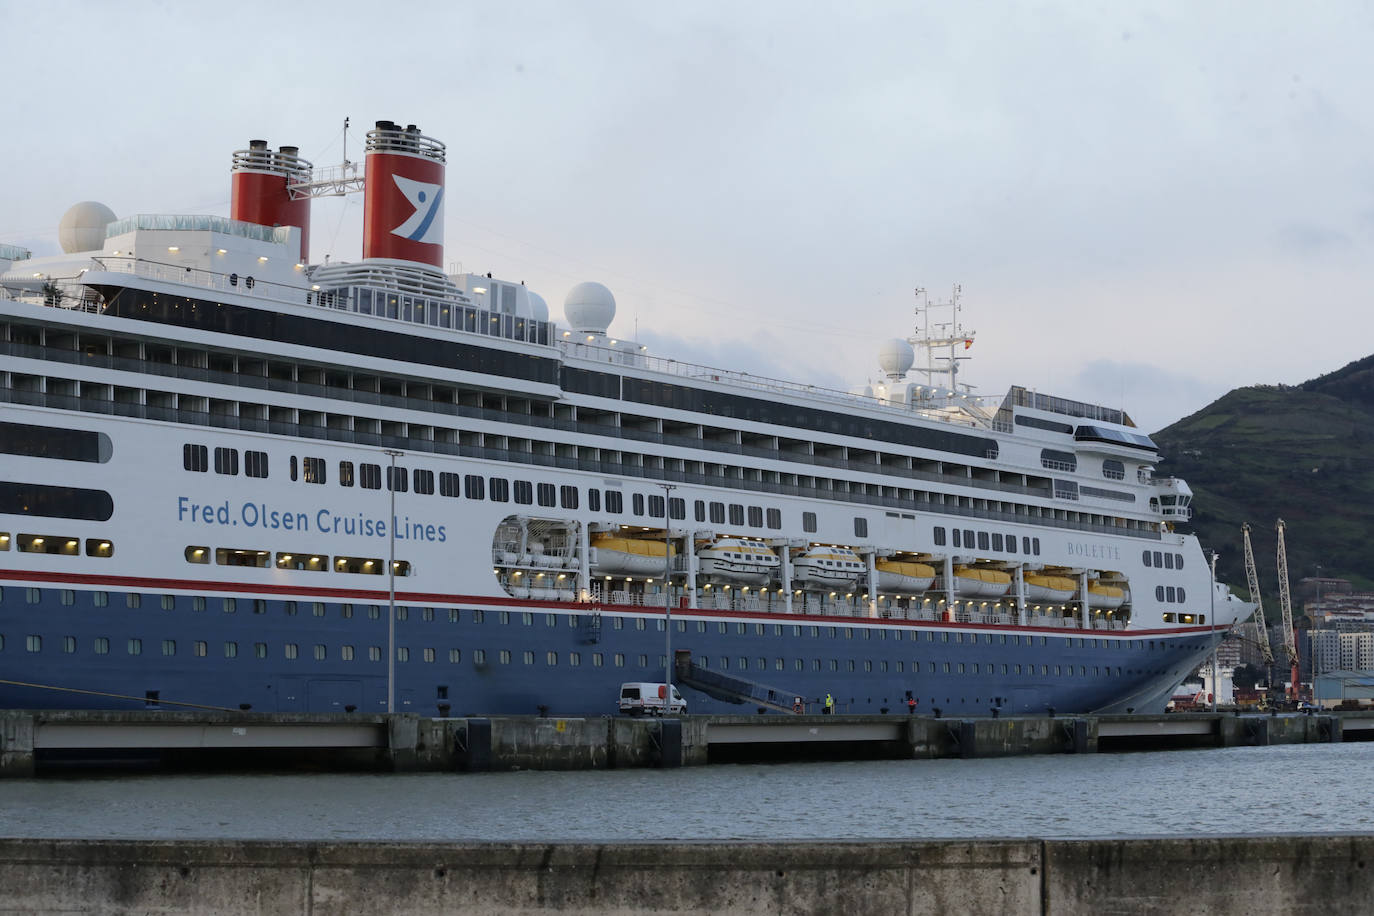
[[1299, 453]]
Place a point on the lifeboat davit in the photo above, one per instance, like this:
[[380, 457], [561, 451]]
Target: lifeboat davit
[[1110, 597], [1049, 588], [828, 566], [738, 560], [904, 576], [621, 556], [972, 582]]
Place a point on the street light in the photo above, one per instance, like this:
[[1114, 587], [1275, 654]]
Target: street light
[[668, 489], [391, 587], [1212, 619]]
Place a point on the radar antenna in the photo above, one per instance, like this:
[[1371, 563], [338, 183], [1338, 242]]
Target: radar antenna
[[1252, 577], [932, 337], [1286, 609]]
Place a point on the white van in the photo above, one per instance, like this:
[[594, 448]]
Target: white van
[[640, 698]]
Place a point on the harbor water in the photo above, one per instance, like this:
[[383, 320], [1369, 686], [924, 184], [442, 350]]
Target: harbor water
[[1309, 789]]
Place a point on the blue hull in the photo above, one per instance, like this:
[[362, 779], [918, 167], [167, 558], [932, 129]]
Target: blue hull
[[83, 649]]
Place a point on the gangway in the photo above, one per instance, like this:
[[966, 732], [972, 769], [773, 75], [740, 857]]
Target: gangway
[[729, 688]]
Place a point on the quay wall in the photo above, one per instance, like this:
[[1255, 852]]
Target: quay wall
[[1216, 875]]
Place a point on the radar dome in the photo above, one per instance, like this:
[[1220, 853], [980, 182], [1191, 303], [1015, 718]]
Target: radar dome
[[83, 227], [539, 309], [895, 357], [589, 308]]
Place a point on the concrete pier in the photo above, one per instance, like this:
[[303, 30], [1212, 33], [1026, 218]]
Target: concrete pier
[[32, 742], [1246, 876]]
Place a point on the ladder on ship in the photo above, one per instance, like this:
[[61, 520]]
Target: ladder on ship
[[729, 688]]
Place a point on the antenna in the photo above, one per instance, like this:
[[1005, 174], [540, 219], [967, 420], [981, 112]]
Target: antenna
[[948, 336]]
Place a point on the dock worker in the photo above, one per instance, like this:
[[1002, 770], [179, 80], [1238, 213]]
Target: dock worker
[[910, 705], [829, 704], [798, 706]]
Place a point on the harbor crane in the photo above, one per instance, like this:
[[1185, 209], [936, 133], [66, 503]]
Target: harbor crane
[[1286, 609], [1252, 578]]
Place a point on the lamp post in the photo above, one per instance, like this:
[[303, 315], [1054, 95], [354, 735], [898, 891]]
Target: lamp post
[[391, 586], [1212, 620], [668, 489]]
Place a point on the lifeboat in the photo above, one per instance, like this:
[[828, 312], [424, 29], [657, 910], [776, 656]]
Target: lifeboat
[[971, 582], [828, 566], [738, 560], [904, 576], [622, 556], [1050, 589], [1110, 597]]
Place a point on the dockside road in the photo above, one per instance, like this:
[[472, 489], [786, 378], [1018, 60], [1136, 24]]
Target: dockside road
[[33, 742]]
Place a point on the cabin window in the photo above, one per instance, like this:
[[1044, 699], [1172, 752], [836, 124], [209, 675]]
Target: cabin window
[[397, 480], [544, 494], [424, 482], [255, 464], [567, 495], [637, 503], [656, 506], [755, 517], [498, 488], [717, 513], [195, 457], [699, 510], [450, 484], [809, 522], [736, 514], [940, 536], [474, 486], [860, 527], [370, 476], [524, 492], [227, 461]]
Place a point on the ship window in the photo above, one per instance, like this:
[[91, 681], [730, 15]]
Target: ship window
[[736, 514], [255, 464], [1181, 596], [637, 503], [567, 496], [308, 562], [699, 510], [996, 541], [656, 506], [1178, 561], [717, 513], [402, 653], [1168, 618], [319, 652], [940, 537], [1159, 560], [968, 538], [1035, 546], [195, 457], [1145, 557], [197, 554], [809, 522], [473, 486], [1025, 545], [290, 650], [370, 566], [424, 482], [102, 599], [551, 659], [369, 476], [1058, 461], [1168, 561], [449, 484], [135, 646], [1113, 469], [861, 527], [397, 480], [47, 543], [755, 517], [169, 647], [1159, 593], [524, 492], [374, 654], [499, 489], [615, 502], [169, 602], [593, 499], [345, 473], [677, 508], [1011, 543], [295, 468], [983, 540], [1170, 595], [226, 461]]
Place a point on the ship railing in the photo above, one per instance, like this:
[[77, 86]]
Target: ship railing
[[615, 355], [243, 285]]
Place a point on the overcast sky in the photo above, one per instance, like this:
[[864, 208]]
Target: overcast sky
[[1146, 204]]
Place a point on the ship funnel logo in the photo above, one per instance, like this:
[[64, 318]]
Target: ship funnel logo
[[426, 223]]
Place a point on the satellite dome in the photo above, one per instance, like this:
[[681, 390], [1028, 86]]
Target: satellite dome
[[538, 307], [895, 357], [589, 308], [83, 227]]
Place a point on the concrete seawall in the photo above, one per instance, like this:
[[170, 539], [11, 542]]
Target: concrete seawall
[[1242, 875]]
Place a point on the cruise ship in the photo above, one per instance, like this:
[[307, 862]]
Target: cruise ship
[[232, 479]]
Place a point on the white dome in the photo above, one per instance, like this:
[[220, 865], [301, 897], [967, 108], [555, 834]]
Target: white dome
[[895, 357], [589, 308], [83, 227], [538, 307]]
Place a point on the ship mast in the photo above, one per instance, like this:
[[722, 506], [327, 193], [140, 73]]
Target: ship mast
[[933, 337]]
